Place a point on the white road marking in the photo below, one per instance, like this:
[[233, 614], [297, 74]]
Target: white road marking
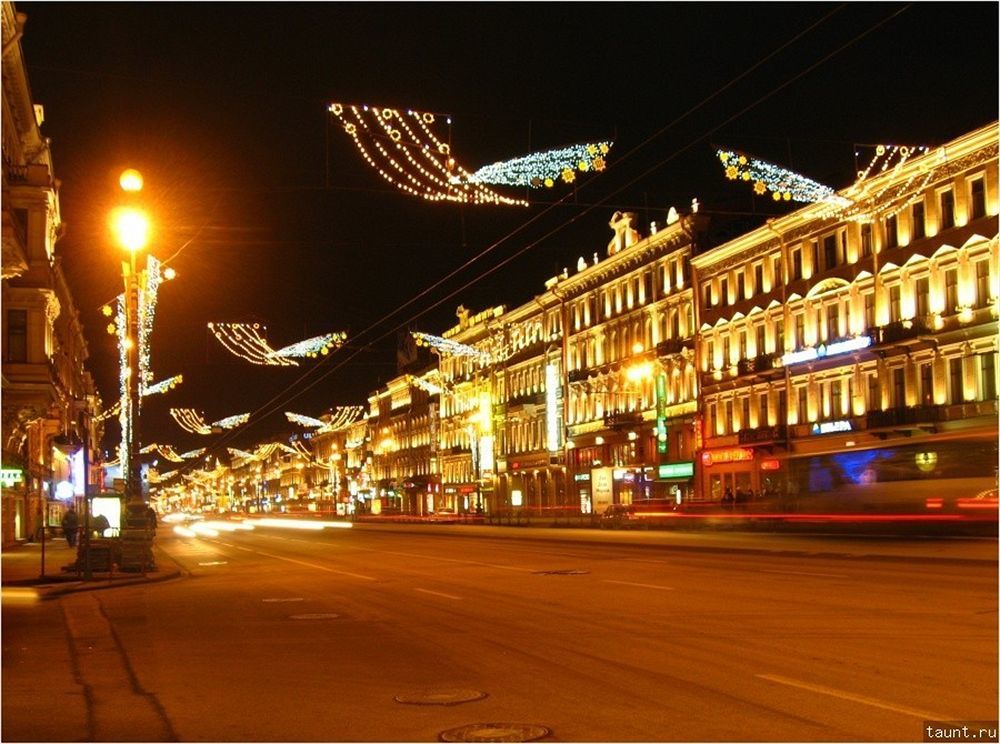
[[441, 558], [856, 698], [437, 594], [315, 565], [804, 573], [632, 583]]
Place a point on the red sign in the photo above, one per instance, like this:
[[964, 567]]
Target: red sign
[[736, 454], [770, 464]]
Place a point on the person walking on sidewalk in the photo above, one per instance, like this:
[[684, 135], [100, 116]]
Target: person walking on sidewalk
[[70, 524]]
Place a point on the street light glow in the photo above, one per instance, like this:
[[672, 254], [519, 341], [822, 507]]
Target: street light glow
[[130, 180], [131, 228]]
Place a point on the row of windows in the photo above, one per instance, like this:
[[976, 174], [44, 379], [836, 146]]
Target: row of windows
[[832, 400], [633, 291]]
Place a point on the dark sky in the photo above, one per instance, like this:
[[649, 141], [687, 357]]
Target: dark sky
[[278, 219]]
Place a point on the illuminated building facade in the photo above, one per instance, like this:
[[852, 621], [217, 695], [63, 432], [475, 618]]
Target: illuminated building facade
[[47, 393], [854, 344], [400, 421]]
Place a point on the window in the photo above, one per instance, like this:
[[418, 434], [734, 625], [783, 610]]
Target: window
[[782, 407], [762, 419], [922, 291], [836, 399], [745, 412], [891, 231], [874, 393], [894, 309], [17, 335], [803, 403], [833, 321], [740, 286], [796, 264], [829, 251], [955, 380], [724, 291], [776, 271], [760, 339], [710, 356], [947, 204], [988, 376], [919, 229], [814, 255], [866, 240], [758, 278], [982, 283], [977, 199], [725, 351], [779, 335], [743, 344], [800, 330], [870, 310], [898, 388], [926, 385], [950, 290]]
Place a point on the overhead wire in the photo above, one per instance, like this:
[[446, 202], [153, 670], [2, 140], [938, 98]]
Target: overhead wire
[[280, 400]]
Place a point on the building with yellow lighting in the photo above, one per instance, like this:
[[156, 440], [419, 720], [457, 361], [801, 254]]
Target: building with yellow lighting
[[848, 350]]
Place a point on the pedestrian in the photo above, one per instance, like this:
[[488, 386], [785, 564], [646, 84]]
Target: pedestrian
[[151, 519], [70, 524]]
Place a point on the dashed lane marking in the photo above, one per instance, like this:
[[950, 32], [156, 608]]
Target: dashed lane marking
[[315, 565], [632, 583], [437, 594], [856, 698]]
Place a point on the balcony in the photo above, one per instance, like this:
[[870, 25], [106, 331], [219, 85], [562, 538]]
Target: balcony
[[622, 419], [762, 434], [577, 375], [898, 331], [532, 399], [673, 346], [761, 363], [908, 417]]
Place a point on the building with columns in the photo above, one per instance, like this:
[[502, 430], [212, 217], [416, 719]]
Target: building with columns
[[853, 342], [50, 403]]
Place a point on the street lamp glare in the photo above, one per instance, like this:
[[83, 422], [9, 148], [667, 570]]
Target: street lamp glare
[[130, 180], [131, 228]]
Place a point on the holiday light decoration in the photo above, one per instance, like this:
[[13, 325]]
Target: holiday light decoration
[[303, 451], [342, 416], [231, 422], [147, 311], [190, 420], [307, 421], [241, 454], [193, 454], [430, 384], [403, 150], [312, 347], [163, 386], [246, 341], [864, 202], [449, 347], [164, 450], [783, 184], [542, 168], [125, 414], [113, 411]]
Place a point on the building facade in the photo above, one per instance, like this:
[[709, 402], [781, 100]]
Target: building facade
[[50, 402], [848, 350]]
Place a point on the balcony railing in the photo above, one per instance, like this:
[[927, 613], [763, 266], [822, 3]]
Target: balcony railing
[[760, 363], [673, 346], [762, 434], [622, 419], [905, 416], [900, 330]]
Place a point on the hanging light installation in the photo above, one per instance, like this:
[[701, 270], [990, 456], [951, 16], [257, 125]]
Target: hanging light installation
[[449, 347], [246, 340], [307, 421], [190, 421], [164, 450], [783, 184], [163, 386], [543, 168]]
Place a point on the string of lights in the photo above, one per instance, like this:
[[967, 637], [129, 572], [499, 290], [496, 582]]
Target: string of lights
[[163, 386], [190, 421], [246, 341], [447, 346], [312, 347], [783, 184], [370, 126], [193, 454], [543, 168], [147, 312], [164, 450], [307, 421], [231, 422], [342, 416]]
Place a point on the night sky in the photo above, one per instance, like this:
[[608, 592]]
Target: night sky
[[269, 214]]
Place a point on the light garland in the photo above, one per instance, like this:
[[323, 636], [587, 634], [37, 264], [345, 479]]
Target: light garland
[[307, 421], [303, 451], [864, 203], [544, 168], [231, 422], [241, 454], [125, 404], [783, 184], [313, 347], [449, 347], [342, 416], [164, 450], [163, 386], [191, 421], [147, 312], [193, 454], [113, 411], [246, 341], [404, 151]]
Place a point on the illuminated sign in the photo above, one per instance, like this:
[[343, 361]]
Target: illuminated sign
[[831, 427], [551, 411], [661, 413], [817, 352], [717, 457], [677, 470], [10, 477], [581, 477], [516, 498], [770, 464]]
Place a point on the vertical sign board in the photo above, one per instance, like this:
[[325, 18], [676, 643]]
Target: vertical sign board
[[661, 413], [602, 489]]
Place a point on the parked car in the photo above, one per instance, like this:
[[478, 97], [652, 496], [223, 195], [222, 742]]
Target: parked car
[[617, 516]]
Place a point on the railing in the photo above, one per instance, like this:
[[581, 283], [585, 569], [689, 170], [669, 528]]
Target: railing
[[905, 416], [762, 434], [620, 419], [760, 363], [900, 330], [527, 399], [673, 346], [577, 375]]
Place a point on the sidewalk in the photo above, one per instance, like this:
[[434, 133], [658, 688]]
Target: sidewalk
[[22, 567]]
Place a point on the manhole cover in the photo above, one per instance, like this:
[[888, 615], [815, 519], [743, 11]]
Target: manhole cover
[[440, 697], [283, 599], [315, 616], [496, 732], [561, 572]]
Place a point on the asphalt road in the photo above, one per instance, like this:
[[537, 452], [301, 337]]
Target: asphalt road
[[282, 635]]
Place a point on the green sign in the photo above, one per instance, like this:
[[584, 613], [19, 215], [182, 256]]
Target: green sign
[[11, 477], [677, 470]]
